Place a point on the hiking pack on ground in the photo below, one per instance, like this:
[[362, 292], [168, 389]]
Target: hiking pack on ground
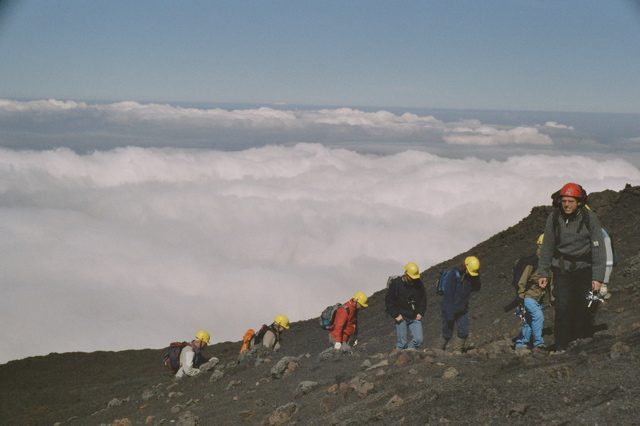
[[443, 278], [172, 358], [328, 315]]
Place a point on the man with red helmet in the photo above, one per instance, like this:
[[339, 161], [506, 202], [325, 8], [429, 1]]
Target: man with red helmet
[[573, 249]]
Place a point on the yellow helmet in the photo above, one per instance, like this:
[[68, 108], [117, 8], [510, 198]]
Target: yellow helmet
[[361, 298], [540, 239], [282, 320], [411, 269], [203, 336], [473, 265]]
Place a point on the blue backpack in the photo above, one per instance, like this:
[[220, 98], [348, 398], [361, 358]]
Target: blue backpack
[[328, 316], [442, 279]]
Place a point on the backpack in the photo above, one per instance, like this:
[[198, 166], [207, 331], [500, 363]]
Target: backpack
[[328, 315], [612, 256], [257, 339], [172, 358], [391, 278], [440, 284], [246, 339], [519, 267]]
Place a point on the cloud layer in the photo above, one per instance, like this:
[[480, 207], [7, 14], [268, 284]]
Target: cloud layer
[[161, 125], [135, 247]]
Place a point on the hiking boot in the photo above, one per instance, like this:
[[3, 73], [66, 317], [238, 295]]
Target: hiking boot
[[559, 352], [457, 344], [442, 343]]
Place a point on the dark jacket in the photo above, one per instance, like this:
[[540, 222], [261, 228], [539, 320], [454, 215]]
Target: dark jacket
[[457, 291], [406, 298]]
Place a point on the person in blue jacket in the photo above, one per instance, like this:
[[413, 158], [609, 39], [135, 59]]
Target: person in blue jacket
[[455, 303]]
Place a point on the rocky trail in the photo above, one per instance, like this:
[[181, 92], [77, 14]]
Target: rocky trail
[[596, 382]]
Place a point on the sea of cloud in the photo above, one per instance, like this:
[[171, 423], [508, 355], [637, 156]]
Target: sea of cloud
[[136, 246]]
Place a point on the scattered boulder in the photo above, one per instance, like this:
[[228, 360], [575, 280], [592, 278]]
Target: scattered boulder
[[450, 373], [283, 366], [305, 387], [283, 414], [394, 403], [188, 419]]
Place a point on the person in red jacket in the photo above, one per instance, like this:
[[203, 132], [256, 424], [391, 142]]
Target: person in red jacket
[[345, 325]]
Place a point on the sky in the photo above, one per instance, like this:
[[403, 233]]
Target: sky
[[541, 55], [167, 167]]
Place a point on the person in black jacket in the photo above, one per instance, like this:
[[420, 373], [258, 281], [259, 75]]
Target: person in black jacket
[[406, 303], [455, 303]]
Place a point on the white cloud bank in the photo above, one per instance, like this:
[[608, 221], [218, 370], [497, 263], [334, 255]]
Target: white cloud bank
[[137, 247], [131, 117]]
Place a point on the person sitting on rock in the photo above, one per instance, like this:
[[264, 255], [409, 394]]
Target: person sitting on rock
[[344, 329], [192, 362], [406, 303], [455, 303], [531, 295]]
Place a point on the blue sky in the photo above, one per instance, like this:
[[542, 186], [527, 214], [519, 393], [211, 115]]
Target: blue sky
[[570, 55]]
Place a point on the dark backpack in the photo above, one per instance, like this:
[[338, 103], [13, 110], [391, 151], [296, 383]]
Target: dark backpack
[[519, 267], [257, 339], [328, 316], [172, 358], [441, 283]]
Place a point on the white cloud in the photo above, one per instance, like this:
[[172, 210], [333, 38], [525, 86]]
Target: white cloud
[[133, 123], [554, 125], [484, 135], [150, 245]]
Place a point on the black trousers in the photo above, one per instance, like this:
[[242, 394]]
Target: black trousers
[[573, 320]]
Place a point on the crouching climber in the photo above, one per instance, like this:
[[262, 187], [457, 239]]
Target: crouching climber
[[270, 337], [344, 330], [192, 362]]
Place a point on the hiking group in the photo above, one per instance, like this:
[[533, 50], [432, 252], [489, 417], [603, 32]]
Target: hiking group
[[572, 264]]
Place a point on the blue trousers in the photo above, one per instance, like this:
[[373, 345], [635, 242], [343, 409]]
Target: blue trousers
[[406, 326], [461, 321], [532, 327]]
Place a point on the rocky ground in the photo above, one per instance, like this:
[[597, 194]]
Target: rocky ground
[[595, 382]]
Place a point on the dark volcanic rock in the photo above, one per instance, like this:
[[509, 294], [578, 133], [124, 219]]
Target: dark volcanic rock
[[595, 382]]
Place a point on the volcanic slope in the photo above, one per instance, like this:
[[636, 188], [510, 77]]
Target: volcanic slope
[[595, 382]]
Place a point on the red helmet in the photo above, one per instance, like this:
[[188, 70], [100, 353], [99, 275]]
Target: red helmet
[[572, 190]]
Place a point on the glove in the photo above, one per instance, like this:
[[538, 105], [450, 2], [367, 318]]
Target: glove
[[337, 345], [603, 290], [209, 364], [355, 342]]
